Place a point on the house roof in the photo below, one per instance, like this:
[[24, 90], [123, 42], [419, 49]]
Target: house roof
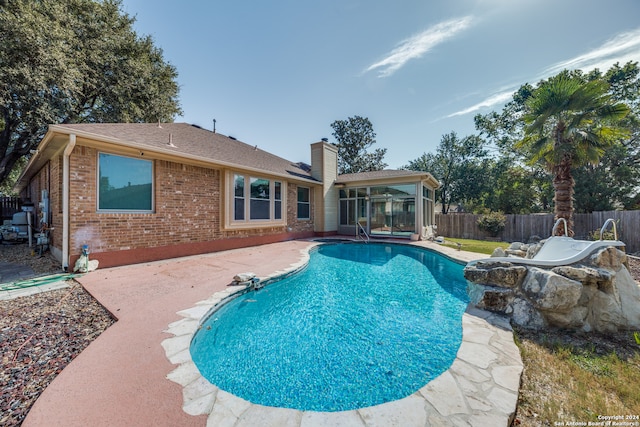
[[180, 140], [193, 143], [386, 175]]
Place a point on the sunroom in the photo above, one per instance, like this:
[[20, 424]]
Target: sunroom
[[388, 203]]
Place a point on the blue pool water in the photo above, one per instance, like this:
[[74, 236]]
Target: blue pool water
[[362, 325]]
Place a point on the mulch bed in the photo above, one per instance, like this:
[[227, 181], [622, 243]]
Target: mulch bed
[[41, 334]]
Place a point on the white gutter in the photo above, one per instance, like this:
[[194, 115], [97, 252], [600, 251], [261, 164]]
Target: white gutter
[[220, 164], [65, 201], [18, 186]]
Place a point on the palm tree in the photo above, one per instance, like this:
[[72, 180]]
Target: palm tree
[[570, 122]]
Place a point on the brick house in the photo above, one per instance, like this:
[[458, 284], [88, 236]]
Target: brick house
[[143, 192]]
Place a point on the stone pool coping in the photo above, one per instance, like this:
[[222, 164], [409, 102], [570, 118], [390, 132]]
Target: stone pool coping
[[480, 388]]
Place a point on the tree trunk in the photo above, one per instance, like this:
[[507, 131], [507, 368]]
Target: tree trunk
[[563, 184]]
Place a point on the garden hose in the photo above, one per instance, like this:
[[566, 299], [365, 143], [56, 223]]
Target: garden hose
[[36, 281]]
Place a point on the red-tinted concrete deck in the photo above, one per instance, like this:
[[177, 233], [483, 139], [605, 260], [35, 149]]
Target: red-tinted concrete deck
[[120, 379]]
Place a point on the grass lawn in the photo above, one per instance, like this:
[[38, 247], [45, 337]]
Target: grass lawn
[[573, 377], [478, 246]]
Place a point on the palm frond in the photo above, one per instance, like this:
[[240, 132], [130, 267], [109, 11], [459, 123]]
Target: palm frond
[[540, 149], [614, 112], [613, 134]]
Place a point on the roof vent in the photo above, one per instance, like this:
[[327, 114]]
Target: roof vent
[[232, 137], [170, 143]]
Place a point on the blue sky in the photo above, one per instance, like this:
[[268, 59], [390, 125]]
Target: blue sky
[[277, 73]]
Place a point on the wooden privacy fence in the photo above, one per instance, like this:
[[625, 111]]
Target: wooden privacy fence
[[8, 206], [520, 228]]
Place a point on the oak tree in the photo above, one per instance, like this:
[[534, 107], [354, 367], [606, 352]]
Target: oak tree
[[75, 61], [354, 136]]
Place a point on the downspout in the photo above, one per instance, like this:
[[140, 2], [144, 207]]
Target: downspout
[[65, 201]]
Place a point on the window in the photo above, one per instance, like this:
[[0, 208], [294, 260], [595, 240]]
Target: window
[[238, 206], [398, 190], [255, 199], [427, 206], [124, 183], [260, 201], [277, 200], [304, 204], [353, 206]]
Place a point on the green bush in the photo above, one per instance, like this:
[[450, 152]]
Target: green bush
[[607, 235], [493, 223], [595, 235]]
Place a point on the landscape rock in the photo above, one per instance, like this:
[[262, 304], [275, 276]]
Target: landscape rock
[[550, 291], [588, 275], [533, 250], [524, 314], [610, 258], [518, 249], [496, 273], [596, 294], [498, 253], [628, 295], [517, 246], [518, 253], [573, 319], [605, 313], [490, 298]]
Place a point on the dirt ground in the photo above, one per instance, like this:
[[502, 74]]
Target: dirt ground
[[24, 255]]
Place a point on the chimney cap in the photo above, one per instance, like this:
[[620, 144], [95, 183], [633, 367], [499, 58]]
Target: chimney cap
[[325, 139]]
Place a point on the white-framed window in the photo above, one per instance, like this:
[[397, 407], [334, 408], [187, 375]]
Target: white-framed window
[[353, 205], [304, 203], [260, 200], [238, 198], [254, 200], [277, 200], [125, 184]]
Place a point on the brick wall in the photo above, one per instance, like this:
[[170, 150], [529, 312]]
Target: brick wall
[[187, 216]]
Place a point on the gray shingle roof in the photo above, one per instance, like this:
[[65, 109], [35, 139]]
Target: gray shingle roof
[[187, 140]]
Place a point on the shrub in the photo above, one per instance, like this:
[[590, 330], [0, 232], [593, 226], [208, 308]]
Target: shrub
[[607, 235], [493, 223]]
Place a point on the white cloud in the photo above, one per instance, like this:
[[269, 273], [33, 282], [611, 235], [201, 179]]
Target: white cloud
[[418, 45], [622, 48], [495, 99]]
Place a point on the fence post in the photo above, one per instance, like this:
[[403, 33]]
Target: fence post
[[9, 206]]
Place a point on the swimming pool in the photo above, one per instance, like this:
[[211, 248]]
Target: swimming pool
[[360, 326]]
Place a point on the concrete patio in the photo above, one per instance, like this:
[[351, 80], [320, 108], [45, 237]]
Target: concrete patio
[[121, 379]]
